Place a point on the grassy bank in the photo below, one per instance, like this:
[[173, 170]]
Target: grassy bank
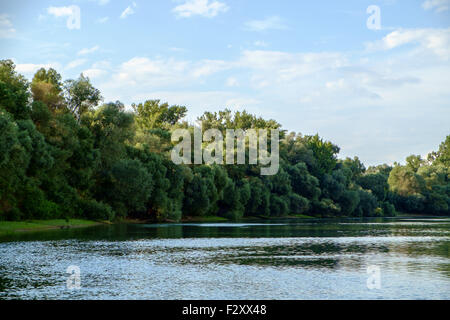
[[204, 219], [210, 219], [11, 227]]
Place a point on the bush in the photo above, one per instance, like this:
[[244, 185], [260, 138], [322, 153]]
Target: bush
[[13, 215], [36, 206], [94, 210], [378, 212], [299, 204], [278, 206], [388, 209]]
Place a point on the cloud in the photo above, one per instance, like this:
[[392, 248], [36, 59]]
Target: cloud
[[363, 101], [128, 11], [88, 50], [259, 43], [75, 63], [143, 72], [241, 103], [6, 27], [102, 20], [73, 14], [436, 41], [232, 82], [203, 8], [104, 64], [167, 71], [177, 49], [60, 11], [100, 2], [28, 69], [94, 73], [437, 5], [270, 23], [208, 67]]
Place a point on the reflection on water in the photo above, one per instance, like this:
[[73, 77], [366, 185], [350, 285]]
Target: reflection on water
[[275, 260]]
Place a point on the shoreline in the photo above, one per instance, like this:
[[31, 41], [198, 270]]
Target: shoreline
[[26, 226]]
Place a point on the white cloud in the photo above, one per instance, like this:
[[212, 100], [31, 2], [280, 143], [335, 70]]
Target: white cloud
[[128, 11], [159, 72], [6, 27], [203, 8], [59, 11], [100, 2], [176, 49], [437, 5], [28, 69], [274, 23], [283, 67], [259, 43], [104, 64], [98, 69], [88, 50], [241, 103], [102, 20], [364, 102], [73, 14], [94, 73], [232, 82], [434, 40], [75, 63], [208, 67]]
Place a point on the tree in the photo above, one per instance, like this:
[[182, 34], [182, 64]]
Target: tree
[[355, 166], [405, 182], [152, 114], [14, 93], [112, 129], [47, 88], [128, 187], [442, 156], [325, 153], [414, 162], [81, 96], [377, 183]]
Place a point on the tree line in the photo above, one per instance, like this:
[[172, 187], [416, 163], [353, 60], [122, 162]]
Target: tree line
[[65, 154]]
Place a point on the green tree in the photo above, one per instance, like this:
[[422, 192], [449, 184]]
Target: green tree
[[46, 87], [14, 94], [81, 96], [152, 114], [325, 153]]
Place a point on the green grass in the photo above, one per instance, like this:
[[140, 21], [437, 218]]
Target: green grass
[[302, 216], [10, 227], [290, 216], [205, 219]]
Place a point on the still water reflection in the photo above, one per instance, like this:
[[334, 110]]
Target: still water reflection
[[293, 259]]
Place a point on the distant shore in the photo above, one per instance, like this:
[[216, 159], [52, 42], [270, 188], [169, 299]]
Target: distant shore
[[14, 227]]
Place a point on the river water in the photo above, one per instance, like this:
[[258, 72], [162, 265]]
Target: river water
[[407, 258]]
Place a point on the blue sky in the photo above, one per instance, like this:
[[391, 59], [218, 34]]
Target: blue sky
[[314, 66]]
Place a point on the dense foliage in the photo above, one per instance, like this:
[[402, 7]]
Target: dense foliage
[[64, 154]]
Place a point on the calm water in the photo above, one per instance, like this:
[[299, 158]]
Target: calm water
[[266, 260]]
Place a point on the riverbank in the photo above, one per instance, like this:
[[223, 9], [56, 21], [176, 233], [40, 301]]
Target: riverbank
[[212, 219], [12, 227]]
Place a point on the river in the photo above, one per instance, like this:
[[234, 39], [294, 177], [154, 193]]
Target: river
[[407, 258]]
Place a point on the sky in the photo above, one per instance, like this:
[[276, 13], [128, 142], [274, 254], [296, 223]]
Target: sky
[[372, 76]]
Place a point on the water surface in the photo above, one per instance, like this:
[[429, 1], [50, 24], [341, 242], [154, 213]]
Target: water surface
[[277, 259]]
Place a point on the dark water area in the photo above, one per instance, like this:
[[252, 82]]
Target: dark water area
[[276, 259]]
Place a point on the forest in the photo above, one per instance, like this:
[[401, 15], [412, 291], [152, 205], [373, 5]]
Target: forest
[[67, 154]]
